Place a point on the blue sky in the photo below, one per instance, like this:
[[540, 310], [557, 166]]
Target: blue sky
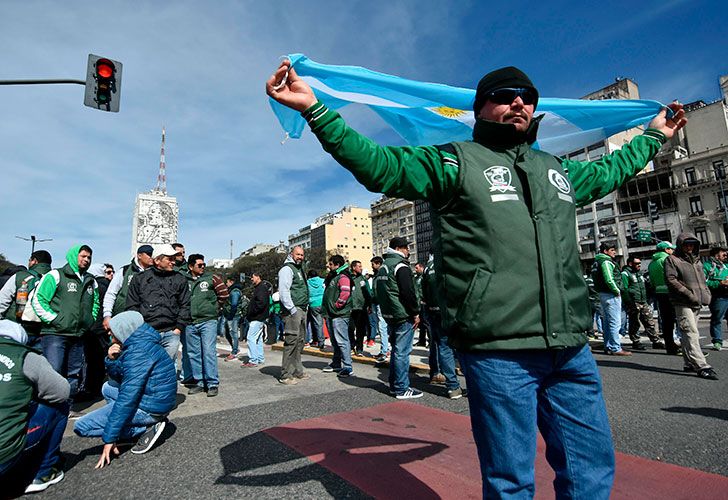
[[72, 173]]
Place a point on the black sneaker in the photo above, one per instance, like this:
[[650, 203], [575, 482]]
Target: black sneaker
[[41, 484], [708, 373], [196, 389], [658, 345], [638, 346], [150, 437], [345, 373], [211, 392]]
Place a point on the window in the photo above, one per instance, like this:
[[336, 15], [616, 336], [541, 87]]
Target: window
[[690, 176], [696, 205], [702, 235], [722, 199], [719, 169]]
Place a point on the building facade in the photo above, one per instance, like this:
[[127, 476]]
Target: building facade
[[392, 217]]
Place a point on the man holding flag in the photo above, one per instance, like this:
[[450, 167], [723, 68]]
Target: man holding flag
[[516, 306]]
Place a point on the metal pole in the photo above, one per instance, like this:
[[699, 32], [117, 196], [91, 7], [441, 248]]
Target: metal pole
[[41, 82]]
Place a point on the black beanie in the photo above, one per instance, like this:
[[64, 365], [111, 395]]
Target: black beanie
[[498, 79]]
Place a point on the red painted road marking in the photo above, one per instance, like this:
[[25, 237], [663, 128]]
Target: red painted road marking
[[401, 449]]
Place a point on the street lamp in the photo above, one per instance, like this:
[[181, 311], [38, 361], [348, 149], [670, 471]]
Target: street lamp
[[33, 239]]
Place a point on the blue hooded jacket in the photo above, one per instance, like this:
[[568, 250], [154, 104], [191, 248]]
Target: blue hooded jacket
[[147, 378], [315, 291]]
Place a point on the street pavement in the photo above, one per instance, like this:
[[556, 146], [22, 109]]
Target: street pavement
[[348, 438]]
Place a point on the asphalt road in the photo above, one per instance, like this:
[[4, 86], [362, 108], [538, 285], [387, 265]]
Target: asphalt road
[[215, 447]]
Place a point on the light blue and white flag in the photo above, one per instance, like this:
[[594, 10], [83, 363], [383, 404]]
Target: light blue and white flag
[[432, 113]]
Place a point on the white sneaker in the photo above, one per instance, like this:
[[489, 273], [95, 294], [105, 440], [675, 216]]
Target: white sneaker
[[409, 394]]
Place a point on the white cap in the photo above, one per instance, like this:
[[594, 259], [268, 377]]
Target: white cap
[[164, 249]]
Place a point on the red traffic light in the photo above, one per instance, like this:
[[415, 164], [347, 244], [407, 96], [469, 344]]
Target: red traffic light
[[104, 68]]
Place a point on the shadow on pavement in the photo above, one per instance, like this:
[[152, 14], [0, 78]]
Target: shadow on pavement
[[718, 413], [634, 366], [256, 460]]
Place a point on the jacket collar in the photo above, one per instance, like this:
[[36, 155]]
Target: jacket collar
[[504, 135]]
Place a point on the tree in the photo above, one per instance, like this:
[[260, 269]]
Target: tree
[[5, 263]]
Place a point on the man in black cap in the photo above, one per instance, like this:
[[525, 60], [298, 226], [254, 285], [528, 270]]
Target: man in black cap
[[395, 293], [513, 301], [115, 298]]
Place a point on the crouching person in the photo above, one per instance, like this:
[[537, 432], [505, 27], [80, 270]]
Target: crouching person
[[33, 415], [141, 390]]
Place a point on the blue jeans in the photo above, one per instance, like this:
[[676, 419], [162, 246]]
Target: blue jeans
[[170, 343], [65, 355], [612, 323], [718, 310], [316, 325], [256, 332], [381, 327], [515, 394], [42, 443], [94, 423], [445, 354], [228, 328], [402, 336], [279, 326], [340, 341], [201, 347]]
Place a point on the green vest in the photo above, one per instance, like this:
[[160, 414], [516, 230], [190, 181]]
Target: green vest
[[299, 286], [73, 302], [32, 276], [331, 295], [129, 271], [418, 286], [358, 298], [531, 294], [634, 284], [597, 274], [203, 304], [16, 392], [387, 290], [430, 294]]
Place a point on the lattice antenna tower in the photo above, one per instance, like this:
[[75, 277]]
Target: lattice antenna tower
[[162, 177]]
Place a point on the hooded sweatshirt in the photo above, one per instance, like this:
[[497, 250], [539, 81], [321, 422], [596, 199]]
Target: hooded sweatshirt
[[657, 271], [684, 275], [606, 275], [315, 291], [67, 301]]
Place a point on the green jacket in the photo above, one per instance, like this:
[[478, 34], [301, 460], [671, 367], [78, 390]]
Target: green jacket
[[430, 295], [605, 274], [417, 279], [656, 270], [633, 284], [16, 392], [331, 296], [503, 216], [31, 278], [203, 302], [128, 271], [716, 271], [387, 289], [66, 301], [360, 293]]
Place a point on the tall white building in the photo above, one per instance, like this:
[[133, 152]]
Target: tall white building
[[156, 214]]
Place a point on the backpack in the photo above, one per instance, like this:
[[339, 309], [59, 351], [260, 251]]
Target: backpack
[[29, 315]]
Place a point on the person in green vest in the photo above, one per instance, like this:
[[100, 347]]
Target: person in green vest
[[656, 270], [67, 301], [716, 277], [18, 287], [315, 300], [180, 263], [608, 283], [360, 302], [337, 307], [33, 415], [115, 298], [208, 295], [424, 331], [506, 250], [293, 291], [394, 289], [634, 297]]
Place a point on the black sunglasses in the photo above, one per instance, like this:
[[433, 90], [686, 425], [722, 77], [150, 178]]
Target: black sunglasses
[[109, 272], [199, 265], [508, 95]]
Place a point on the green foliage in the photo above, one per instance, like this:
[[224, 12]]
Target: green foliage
[[5, 263]]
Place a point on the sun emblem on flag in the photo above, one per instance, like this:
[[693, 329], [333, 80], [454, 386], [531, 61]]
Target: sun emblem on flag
[[449, 112]]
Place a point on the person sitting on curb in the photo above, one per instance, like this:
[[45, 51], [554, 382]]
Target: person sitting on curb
[[33, 414], [140, 393]]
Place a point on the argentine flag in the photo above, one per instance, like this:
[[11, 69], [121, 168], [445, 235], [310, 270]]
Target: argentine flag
[[432, 113]]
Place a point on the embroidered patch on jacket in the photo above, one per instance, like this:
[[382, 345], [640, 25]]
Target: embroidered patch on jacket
[[500, 180], [561, 184]]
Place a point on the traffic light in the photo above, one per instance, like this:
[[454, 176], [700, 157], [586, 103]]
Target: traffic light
[[103, 83], [652, 211], [633, 230]]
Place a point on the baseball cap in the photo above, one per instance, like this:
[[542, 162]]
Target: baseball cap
[[665, 245], [164, 249], [147, 249], [398, 242]]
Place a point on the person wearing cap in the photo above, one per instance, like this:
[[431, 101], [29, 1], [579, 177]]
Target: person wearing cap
[[161, 295], [608, 282], [115, 298], [67, 302], [33, 415], [634, 300], [140, 393], [506, 252], [656, 271], [394, 290], [716, 277]]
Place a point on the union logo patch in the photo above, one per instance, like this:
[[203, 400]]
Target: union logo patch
[[499, 179], [559, 181]]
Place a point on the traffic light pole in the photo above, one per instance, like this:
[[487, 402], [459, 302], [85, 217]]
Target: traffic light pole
[[40, 82]]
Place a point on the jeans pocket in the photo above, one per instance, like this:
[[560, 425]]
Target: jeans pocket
[[470, 309]]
